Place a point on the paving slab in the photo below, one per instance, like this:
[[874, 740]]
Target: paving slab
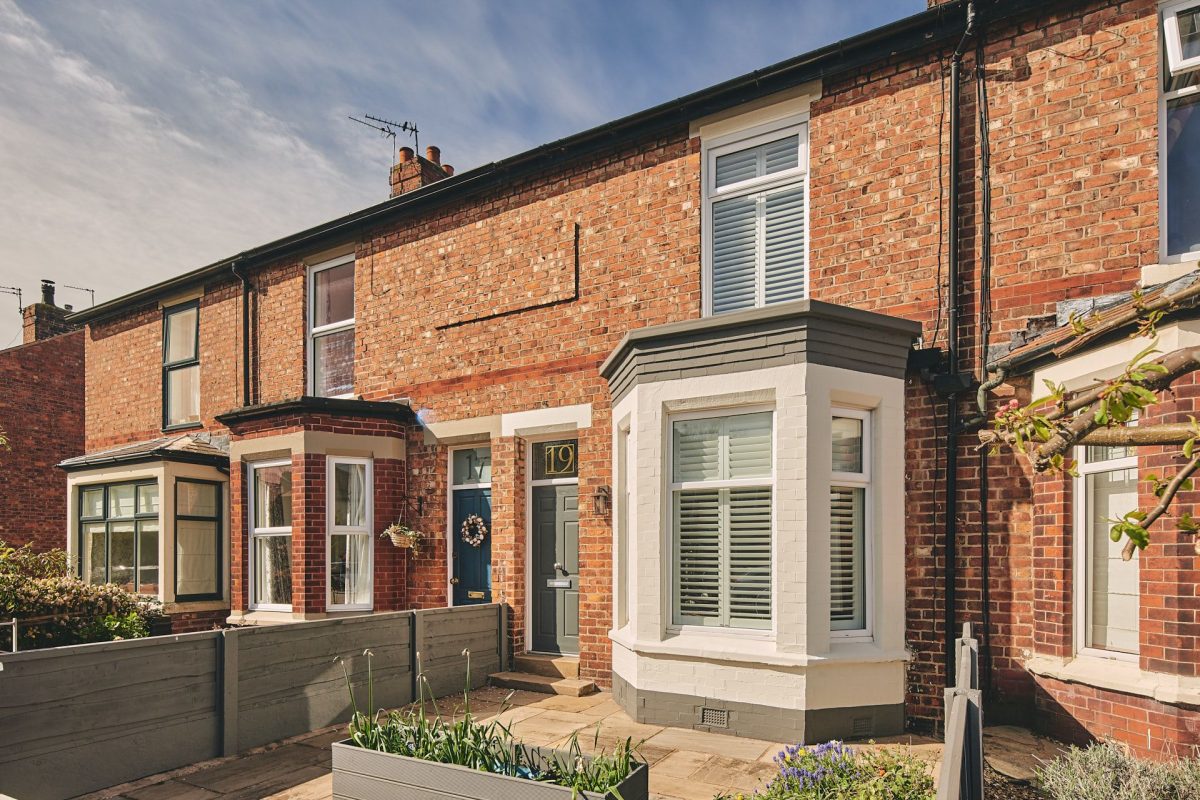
[[1016, 752], [267, 768], [320, 788], [740, 774], [171, 790], [716, 743]]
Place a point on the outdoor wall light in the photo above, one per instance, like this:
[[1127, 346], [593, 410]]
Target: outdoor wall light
[[602, 501]]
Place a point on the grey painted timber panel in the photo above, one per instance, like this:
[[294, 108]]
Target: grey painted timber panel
[[290, 679], [370, 775], [783, 335], [75, 719], [443, 634]]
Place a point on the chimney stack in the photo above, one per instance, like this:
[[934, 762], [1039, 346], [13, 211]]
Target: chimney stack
[[412, 171], [44, 320]]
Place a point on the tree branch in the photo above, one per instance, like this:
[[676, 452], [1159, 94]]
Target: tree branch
[[1163, 502], [1123, 436]]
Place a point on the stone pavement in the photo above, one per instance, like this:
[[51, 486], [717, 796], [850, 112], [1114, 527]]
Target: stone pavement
[[686, 764]]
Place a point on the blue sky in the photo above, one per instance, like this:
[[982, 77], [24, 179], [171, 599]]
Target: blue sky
[[139, 140]]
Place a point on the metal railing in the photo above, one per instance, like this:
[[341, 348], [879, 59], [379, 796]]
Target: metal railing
[[14, 626], [962, 758]]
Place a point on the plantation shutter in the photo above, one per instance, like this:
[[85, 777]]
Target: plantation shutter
[[723, 533], [846, 597], [735, 253], [784, 259]]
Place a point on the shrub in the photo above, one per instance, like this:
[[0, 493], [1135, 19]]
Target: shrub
[[36, 585], [1106, 770], [835, 771]]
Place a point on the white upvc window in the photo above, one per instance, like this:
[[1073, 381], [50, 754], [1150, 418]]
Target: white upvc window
[[349, 511], [331, 328], [849, 527], [1107, 603], [1179, 133], [722, 491], [756, 216], [270, 501]]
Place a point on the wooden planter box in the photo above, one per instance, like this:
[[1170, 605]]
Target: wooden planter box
[[360, 774]]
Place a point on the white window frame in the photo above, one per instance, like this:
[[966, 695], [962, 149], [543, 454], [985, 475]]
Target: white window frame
[[451, 487], [1081, 536], [1169, 33], [1176, 63], [333, 327], [331, 530], [860, 480], [254, 532], [672, 486], [711, 149]]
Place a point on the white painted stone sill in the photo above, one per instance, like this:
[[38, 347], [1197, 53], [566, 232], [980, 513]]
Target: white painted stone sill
[[755, 651], [195, 605], [1119, 676]]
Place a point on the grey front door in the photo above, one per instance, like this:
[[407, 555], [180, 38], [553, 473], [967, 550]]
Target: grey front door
[[555, 569]]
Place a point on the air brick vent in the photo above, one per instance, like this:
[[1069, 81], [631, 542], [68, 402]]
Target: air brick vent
[[714, 717], [861, 726]]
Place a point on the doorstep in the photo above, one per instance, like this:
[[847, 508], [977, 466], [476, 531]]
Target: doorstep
[[545, 674]]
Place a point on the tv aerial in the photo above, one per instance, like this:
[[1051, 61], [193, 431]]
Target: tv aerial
[[390, 129]]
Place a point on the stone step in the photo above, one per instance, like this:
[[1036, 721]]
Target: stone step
[[545, 684], [548, 665]]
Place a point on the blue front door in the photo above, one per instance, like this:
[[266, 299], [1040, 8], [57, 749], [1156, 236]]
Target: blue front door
[[471, 574]]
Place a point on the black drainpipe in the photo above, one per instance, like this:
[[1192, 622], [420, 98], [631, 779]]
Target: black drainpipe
[[952, 414], [239, 271]]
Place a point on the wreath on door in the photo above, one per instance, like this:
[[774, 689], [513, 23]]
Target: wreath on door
[[474, 530]]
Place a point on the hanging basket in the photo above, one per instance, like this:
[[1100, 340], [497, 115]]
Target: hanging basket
[[404, 537]]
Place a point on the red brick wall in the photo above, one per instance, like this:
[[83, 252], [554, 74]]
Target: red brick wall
[[472, 309], [41, 411]]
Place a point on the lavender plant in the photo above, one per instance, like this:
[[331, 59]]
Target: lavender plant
[[835, 771]]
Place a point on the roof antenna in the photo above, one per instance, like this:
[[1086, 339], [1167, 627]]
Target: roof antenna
[[389, 128], [14, 290], [91, 292]]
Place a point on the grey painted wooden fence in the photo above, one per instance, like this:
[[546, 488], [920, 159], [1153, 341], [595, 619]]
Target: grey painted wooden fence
[[77, 719]]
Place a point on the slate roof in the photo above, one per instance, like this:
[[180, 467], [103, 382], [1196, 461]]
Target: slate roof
[[199, 448]]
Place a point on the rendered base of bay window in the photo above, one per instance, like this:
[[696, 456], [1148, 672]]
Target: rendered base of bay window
[[1118, 676], [822, 698], [195, 606]]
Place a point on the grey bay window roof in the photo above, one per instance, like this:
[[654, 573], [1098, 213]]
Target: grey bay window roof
[[798, 332], [196, 448], [939, 24]]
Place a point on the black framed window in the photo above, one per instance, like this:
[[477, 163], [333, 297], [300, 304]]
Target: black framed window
[[181, 366], [118, 535], [197, 540]]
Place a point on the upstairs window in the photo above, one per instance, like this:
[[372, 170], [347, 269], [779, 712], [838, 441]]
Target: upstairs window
[[331, 328], [1179, 132], [181, 366], [722, 482], [755, 213]]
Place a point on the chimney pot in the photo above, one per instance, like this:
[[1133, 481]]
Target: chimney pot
[[406, 155], [434, 154], [47, 292], [449, 170]]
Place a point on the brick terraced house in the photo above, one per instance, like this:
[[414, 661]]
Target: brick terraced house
[[676, 390]]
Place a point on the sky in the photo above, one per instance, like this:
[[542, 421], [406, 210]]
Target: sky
[[141, 140]]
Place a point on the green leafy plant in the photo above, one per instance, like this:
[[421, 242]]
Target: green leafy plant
[[488, 747], [1106, 770], [836, 771], [61, 608]]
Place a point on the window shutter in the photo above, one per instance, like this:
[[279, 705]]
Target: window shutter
[[737, 167], [785, 278], [698, 555], [697, 449], [846, 602], [781, 154], [749, 548], [749, 446], [734, 253]]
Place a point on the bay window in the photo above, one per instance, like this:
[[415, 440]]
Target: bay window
[[1107, 602], [197, 540], [118, 535], [271, 535], [722, 476], [849, 492], [181, 366], [331, 328], [349, 542], [755, 215]]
